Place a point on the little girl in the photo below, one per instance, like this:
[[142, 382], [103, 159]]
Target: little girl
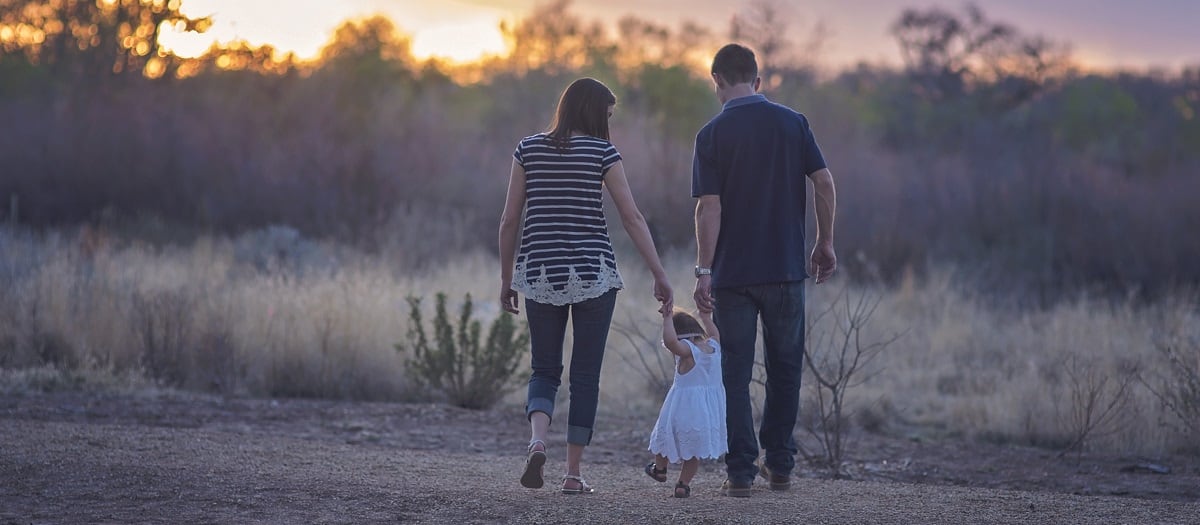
[[691, 424]]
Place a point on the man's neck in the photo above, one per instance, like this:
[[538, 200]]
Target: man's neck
[[737, 91]]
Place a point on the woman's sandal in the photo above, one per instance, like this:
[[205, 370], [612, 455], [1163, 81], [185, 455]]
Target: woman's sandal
[[532, 478], [682, 490], [658, 475], [584, 488]]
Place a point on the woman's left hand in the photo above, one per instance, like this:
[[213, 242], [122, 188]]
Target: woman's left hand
[[664, 294]]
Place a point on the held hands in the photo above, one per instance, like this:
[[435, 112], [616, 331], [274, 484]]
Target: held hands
[[508, 298], [665, 310], [823, 262], [663, 294]]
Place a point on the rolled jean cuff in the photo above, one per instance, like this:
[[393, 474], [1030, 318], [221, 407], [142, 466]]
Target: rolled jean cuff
[[579, 435], [539, 404]]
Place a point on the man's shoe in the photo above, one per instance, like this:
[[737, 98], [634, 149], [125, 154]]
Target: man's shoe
[[775, 481], [735, 490]]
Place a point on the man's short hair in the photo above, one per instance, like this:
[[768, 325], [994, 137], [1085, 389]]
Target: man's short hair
[[735, 64]]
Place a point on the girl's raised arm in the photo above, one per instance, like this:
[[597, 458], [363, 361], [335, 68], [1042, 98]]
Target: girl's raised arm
[[709, 326], [671, 339]]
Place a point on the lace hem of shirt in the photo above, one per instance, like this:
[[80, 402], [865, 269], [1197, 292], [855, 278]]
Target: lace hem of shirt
[[575, 290]]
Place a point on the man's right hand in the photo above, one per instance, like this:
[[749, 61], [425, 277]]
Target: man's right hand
[[703, 295]]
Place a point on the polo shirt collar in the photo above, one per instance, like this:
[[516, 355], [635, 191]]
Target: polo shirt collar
[[742, 101]]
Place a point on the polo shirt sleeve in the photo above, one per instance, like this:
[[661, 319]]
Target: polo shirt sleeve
[[705, 177], [813, 159], [611, 157]]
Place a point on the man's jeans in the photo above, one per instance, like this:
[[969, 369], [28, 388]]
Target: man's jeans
[[589, 332], [781, 309]]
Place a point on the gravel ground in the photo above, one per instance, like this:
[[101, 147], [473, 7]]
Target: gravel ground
[[175, 458]]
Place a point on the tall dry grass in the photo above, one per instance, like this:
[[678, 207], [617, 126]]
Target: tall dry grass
[[968, 367], [272, 314], [264, 314]]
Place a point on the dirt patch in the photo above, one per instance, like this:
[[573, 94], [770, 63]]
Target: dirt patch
[[175, 458]]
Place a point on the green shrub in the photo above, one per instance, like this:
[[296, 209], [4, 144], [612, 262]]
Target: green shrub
[[455, 365]]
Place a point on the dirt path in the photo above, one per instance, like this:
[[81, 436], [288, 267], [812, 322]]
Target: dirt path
[[71, 458]]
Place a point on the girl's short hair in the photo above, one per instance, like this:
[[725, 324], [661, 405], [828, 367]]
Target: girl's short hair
[[685, 323], [583, 107]]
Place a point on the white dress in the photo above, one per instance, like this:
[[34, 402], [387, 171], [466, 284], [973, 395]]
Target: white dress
[[691, 423]]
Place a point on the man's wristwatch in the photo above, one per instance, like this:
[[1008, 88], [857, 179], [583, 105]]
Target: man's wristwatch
[[703, 271]]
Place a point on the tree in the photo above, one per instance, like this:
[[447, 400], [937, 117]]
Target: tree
[[763, 25], [941, 50], [554, 40], [240, 55], [93, 38], [644, 43], [368, 42], [946, 55]]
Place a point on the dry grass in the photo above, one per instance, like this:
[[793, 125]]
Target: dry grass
[[982, 371], [249, 316], [210, 316]]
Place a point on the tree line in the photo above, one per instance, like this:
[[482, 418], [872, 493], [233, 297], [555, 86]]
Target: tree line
[[988, 150]]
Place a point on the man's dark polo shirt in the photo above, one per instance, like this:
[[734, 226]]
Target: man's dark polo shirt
[[756, 156]]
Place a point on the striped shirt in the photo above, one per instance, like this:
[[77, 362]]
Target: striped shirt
[[565, 255]]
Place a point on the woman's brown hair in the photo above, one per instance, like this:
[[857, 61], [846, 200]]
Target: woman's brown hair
[[582, 108]]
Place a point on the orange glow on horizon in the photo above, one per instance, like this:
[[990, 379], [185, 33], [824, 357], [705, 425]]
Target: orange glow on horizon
[[467, 32], [461, 43], [449, 32]]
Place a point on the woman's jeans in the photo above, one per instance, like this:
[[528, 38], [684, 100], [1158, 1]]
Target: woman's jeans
[[780, 307], [590, 320]]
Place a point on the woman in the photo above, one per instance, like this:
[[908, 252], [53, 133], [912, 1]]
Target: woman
[[566, 266]]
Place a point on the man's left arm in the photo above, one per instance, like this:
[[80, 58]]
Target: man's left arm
[[824, 259]]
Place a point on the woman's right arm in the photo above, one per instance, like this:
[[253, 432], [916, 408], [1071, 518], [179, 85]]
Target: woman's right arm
[[510, 224], [635, 225]]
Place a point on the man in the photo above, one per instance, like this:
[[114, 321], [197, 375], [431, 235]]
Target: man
[[749, 173]]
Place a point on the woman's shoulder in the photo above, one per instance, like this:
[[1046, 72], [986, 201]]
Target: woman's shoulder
[[588, 140], [535, 138], [579, 141]]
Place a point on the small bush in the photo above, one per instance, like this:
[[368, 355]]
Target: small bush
[[837, 356], [456, 366], [1098, 399], [1178, 388]]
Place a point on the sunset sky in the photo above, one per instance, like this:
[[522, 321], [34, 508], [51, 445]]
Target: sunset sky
[[1102, 33]]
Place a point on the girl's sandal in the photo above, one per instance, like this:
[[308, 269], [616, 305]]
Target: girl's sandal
[[584, 488], [682, 490], [658, 475], [533, 478]]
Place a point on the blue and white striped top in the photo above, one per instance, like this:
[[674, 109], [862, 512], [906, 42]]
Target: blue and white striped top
[[565, 255]]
